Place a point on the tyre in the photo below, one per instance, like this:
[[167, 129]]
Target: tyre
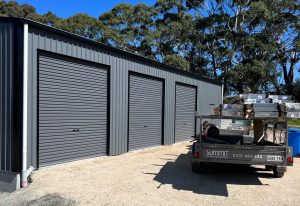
[[277, 174], [196, 167]]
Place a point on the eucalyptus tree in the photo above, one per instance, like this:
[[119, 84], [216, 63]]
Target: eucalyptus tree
[[81, 24], [129, 27], [250, 45]]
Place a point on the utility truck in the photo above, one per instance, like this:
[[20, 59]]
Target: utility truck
[[260, 139]]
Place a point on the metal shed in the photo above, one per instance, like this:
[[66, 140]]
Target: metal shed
[[64, 97]]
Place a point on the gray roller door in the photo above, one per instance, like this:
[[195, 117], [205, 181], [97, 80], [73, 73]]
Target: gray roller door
[[145, 112], [72, 110], [185, 112]]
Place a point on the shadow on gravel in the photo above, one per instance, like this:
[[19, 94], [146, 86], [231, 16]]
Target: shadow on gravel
[[212, 181], [51, 200]]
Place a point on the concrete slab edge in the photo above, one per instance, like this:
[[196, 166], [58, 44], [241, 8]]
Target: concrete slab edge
[[9, 181]]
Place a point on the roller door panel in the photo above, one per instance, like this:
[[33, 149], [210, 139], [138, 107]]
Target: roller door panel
[[185, 112], [145, 112], [72, 110]]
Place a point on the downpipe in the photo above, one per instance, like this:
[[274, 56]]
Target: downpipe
[[25, 172], [25, 175]]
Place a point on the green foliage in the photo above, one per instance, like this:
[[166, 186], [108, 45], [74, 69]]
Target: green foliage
[[12, 8], [248, 45], [294, 122], [177, 61], [81, 24], [129, 27]]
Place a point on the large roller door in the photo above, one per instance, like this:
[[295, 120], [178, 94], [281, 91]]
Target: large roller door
[[145, 112], [73, 106], [185, 112]]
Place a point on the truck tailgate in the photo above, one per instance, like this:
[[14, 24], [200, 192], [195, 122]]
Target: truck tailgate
[[243, 154]]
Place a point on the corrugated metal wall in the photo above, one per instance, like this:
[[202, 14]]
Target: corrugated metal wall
[[6, 98], [120, 65]]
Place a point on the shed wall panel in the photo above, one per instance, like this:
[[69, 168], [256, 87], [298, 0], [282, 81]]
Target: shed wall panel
[[120, 65], [6, 95]]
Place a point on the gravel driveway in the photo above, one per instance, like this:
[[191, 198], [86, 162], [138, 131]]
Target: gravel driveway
[[157, 176]]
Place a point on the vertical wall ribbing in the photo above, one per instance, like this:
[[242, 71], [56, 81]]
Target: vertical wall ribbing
[[6, 92]]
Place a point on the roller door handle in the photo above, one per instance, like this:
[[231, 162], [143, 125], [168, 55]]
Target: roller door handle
[[75, 130], [145, 126]]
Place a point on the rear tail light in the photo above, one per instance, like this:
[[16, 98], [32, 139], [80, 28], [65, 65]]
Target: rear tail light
[[197, 154], [290, 159]]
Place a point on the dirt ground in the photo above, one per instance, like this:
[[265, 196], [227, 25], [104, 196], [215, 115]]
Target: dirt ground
[[157, 176]]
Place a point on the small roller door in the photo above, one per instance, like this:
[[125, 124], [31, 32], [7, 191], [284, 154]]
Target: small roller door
[[72, 110], [145, 112], [185, 112]]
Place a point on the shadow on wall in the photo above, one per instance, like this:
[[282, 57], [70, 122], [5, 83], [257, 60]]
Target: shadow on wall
[[212, 181]]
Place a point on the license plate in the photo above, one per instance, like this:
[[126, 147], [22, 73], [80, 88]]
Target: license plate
[[275, 158]]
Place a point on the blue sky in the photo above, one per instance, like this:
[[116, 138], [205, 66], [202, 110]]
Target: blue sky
[[66, 8]]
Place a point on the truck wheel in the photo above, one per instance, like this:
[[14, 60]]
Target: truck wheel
[[277, 174], [196, 167]]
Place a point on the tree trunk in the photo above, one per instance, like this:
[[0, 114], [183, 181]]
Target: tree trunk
[[288, 77]]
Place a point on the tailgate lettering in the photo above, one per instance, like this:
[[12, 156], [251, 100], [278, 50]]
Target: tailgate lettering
[[220, 154]]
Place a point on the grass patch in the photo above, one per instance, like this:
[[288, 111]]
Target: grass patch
[[294, 122]]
